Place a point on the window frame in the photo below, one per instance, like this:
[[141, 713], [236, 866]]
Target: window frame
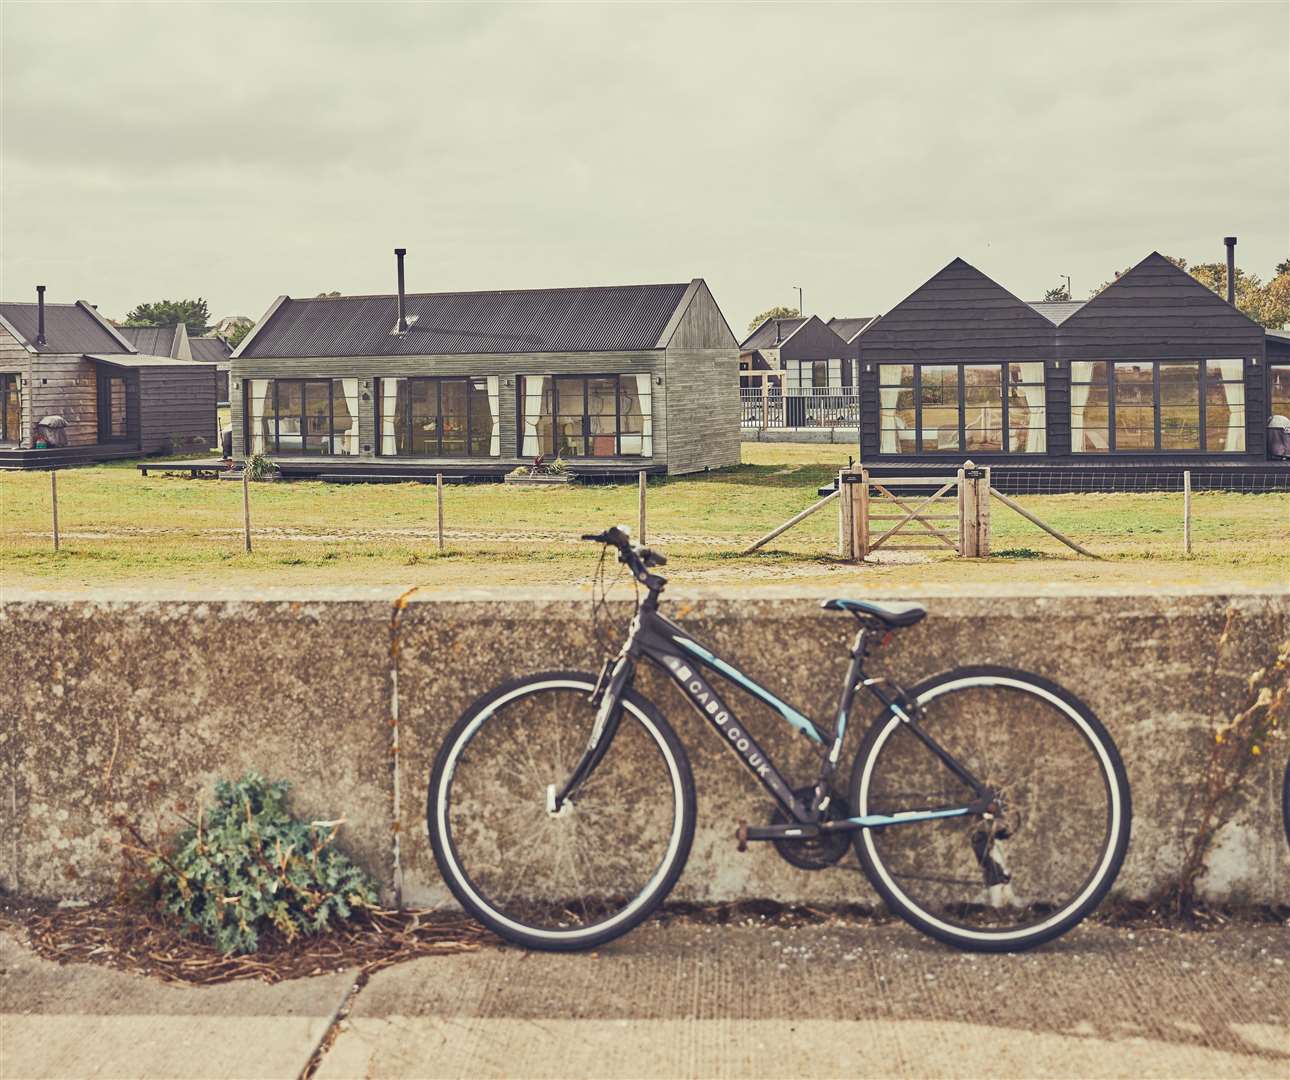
[[1202, 387], [274, 445], [586, 434], [1272, 366], [10, 380], [1001, 368], [378, 396]]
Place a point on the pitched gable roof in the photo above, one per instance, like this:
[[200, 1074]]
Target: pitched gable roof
[[152, 340], [622, 318], [1156, 283], [847, 327], [773, 332], [69, 328], [211, 350]]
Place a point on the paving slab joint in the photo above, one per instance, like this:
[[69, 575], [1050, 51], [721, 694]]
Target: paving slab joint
[[332, 1030]]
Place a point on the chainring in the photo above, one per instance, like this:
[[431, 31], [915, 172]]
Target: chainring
[[817, 852]]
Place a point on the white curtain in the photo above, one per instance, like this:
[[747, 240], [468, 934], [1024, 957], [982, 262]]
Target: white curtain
[[260, 390], [1233, 375], [793, 378], [1036, 422], [534, 385], [349, 440], [494, 407], [1081, 373], [389, 405], [835, 375], [889, 398], [642, 444]]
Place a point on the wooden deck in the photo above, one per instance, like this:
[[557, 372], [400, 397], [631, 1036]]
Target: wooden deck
[[65, 457]]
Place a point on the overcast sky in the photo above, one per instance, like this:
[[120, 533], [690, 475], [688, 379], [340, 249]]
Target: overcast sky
[[241, 151]]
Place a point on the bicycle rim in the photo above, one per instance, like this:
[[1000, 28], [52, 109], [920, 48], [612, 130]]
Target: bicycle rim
[[1045, 861], [588, 872]]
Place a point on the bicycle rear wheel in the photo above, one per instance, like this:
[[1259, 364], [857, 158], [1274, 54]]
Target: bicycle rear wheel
[[1042, 864], [588, 873]]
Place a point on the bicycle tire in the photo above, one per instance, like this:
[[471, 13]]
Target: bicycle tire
[[1111, 852], [640, 717]]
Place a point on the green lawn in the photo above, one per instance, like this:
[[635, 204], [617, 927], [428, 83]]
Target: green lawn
[[122, 528]]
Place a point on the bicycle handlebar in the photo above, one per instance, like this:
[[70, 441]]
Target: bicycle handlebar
[[636, 557]]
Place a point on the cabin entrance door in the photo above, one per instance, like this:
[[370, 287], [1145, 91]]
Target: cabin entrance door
[[112, 407]]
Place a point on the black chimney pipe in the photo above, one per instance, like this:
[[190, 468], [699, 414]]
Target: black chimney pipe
[[1230, 241], [40, 315], [403, 311]]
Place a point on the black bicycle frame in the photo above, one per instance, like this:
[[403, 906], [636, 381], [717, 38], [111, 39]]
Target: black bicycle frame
[[657, 639]]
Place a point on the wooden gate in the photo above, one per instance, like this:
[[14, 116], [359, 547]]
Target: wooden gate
[[948, 513]]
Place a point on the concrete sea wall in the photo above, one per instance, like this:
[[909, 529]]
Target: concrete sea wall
[[130, 709]]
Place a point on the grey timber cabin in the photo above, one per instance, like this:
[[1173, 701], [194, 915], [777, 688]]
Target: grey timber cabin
[[117, 399], [613, 380]]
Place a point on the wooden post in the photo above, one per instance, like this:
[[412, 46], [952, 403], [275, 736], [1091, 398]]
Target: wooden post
[[438, 498], [860, 514], [961, 478], [53, 502], [246, 508], [1186, 511], [846, 532], [983, 514], [640, 506], [765, 401]]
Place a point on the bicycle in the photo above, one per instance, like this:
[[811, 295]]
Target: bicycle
[[988, 807]]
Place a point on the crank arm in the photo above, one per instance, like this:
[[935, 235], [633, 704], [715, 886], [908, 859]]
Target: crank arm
[[786, 831]]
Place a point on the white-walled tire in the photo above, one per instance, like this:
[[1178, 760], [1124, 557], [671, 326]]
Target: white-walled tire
[[1037, 869], [588, 874]]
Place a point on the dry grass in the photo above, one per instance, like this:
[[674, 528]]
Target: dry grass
[[120, 528]]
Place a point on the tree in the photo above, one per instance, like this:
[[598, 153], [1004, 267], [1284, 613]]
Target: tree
[[1283, 267], [1059, 293], [325, 295], [192, 313], [779, 311], [238, 332]]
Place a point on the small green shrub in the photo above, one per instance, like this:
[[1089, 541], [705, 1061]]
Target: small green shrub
[[248, 865], [259, 467]]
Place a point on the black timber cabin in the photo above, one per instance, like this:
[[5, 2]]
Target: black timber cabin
[[1155, 372], [797, 354], [115, 399], [177, 342], [612, 380]]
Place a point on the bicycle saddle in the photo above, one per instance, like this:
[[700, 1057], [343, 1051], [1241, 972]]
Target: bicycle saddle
[[888, 614]]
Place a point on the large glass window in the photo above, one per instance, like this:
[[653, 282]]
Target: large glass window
[[977, 408], [301, 416], [1142, 406], [585, 416], [438, 417], [10, 408]]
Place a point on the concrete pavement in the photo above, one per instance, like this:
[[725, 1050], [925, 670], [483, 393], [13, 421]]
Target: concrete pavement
[[692, 1000]]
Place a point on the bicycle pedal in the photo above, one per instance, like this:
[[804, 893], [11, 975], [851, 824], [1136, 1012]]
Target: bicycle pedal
[[741, 835]]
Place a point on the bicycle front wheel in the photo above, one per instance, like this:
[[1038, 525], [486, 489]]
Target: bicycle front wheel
[[1039, 866], [580, 876]]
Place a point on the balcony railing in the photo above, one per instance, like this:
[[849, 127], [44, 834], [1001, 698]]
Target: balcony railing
[[813, 407]]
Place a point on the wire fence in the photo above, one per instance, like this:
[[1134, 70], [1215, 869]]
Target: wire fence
[[1063, 481]]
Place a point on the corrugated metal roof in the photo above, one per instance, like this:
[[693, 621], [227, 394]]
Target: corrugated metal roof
[[1280, 335], [1056, 311], [140, 360], [764, 337], [846, 327], [69, 328], [619, 318], [210, 350], [154, 340]]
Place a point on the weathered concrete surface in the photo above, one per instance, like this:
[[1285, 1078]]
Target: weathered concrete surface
[[839, 1000], [134, 710], [131, 707], [79, 1021]]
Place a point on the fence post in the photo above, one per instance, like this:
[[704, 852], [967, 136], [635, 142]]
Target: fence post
[[640, 505], [438, 499], [246, 508], [961, 477], [846, 550], [53, 502], [1186, 511], [983, 514], [861, 516], [765, 402]]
